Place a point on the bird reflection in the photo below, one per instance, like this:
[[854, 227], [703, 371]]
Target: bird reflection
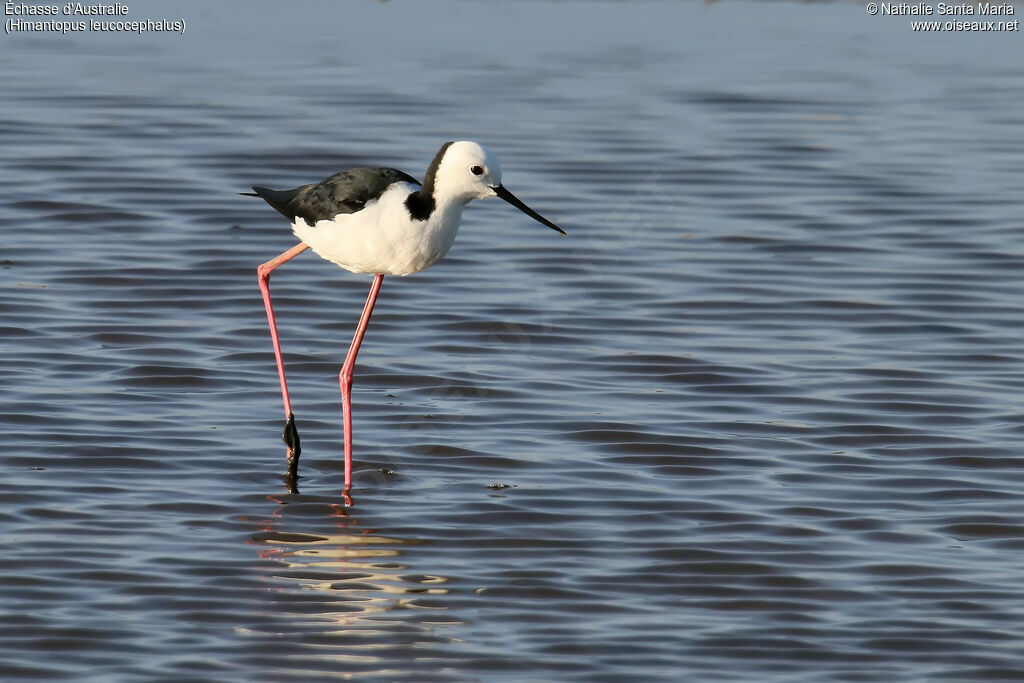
[[348, 590]]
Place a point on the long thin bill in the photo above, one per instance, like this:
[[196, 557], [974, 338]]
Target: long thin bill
[[516, 202]]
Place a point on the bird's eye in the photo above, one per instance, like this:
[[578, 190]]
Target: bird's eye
[[477, 170]]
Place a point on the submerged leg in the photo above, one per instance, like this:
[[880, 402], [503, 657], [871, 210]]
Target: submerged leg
[[291, 434], [345, 376]]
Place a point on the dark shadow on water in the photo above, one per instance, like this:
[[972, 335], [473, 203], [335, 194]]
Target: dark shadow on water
[[375, 474], [291, 484]]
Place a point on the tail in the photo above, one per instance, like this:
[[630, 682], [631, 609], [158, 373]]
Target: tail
[[280, 200], [264, 193]]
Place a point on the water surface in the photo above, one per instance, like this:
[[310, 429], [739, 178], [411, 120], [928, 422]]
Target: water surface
[[757, 418]]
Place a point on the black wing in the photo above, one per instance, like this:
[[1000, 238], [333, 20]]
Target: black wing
[[344, 192]]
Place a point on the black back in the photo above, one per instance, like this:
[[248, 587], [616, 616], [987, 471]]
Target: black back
[[344, 192]]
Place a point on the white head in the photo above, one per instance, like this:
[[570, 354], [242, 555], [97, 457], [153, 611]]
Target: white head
[[464, 170]]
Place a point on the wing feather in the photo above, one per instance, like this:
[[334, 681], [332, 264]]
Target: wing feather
[[345, 192]]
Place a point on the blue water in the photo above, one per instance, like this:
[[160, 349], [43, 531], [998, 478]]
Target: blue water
[[759, 417]]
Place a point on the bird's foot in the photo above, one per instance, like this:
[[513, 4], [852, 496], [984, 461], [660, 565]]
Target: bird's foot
[[290, 436]]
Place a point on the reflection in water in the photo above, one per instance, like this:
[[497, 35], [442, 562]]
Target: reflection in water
[[344, 595]]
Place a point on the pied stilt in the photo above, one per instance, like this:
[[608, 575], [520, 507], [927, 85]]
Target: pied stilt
[[380, 221]]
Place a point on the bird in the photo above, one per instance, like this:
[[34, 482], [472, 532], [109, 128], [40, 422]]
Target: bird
[[379, 221]]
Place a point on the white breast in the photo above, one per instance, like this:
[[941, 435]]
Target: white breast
[[382, 238]]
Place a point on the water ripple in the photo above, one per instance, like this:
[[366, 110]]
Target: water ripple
[[757, 417]]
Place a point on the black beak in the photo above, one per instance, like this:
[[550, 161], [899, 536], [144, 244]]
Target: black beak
[[515, 201]]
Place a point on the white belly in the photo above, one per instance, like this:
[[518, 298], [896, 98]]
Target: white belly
[[382, 238]]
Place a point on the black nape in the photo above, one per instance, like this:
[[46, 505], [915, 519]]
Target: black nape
[[420, 205]]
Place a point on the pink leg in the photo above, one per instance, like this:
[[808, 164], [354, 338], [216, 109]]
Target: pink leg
[[345, 376], [291, 435]]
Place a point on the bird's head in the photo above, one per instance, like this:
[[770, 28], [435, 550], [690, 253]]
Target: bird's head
[[465, 170]]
